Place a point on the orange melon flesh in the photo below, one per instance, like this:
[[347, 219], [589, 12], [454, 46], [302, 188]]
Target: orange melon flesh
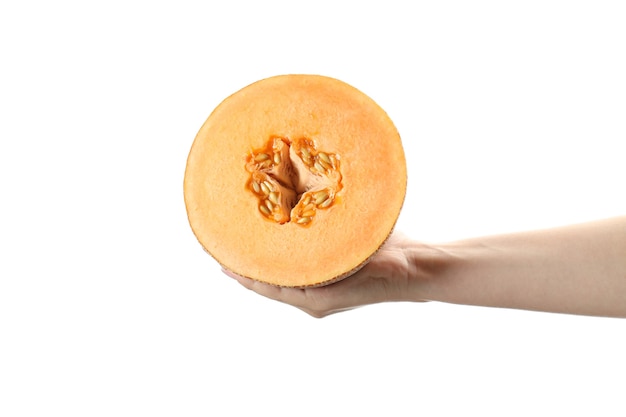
[[226, 215]]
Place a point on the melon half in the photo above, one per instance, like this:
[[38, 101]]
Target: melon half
[[295, 181]]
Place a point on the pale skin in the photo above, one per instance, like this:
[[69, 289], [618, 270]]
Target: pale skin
[[577, 269]]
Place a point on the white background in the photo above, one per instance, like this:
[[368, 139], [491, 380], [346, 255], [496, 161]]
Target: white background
[[512, 116]]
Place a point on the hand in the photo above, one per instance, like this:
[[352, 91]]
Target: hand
[[576, 269], [386, 277]]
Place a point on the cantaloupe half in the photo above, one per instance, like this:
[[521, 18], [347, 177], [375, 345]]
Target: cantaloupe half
[[295, 180]]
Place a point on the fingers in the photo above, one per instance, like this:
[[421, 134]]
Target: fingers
[[352, 292], [292, 296], [316, 302], [270, 291]]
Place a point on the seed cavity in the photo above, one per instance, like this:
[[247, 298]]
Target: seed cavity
[[292, 180]]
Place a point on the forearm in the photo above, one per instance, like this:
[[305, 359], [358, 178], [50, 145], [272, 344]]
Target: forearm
[[578, 269]]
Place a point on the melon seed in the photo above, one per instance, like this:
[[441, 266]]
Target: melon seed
[[326, 165], [324, 157], [320, 196], [326, 203]]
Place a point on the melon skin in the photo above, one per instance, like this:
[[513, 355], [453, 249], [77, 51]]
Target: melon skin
[[337, 118]]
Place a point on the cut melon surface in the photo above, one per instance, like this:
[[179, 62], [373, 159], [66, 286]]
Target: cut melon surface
[[295, 180]]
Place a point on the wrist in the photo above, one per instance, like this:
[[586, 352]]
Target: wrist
[[428, 267], [458, 272]]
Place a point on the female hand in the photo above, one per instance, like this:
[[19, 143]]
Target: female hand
[[576, 269], [386, 277]]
